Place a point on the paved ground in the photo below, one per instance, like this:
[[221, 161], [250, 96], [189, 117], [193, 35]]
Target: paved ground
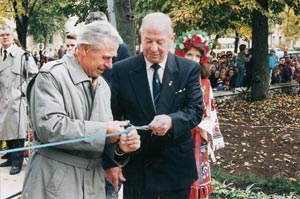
[[12, 184]]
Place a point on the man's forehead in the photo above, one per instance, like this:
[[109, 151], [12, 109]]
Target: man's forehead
[[107, 52], [5, 29]]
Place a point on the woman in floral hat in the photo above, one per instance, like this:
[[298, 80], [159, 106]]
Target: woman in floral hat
[[207, 135]]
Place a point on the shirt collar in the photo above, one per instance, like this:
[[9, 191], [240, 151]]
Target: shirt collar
[[162, 64], [8, 50]]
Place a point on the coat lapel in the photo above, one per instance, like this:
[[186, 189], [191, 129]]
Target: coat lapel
[[141, 90], [5, 64], [169, 85]]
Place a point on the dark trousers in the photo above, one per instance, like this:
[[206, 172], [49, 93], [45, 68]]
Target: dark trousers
[[16, 158], [180, 194]]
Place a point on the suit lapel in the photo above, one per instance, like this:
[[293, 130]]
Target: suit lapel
[[169, 85], [141, 90]]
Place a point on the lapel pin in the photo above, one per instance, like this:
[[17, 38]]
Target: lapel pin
[[170, 83]]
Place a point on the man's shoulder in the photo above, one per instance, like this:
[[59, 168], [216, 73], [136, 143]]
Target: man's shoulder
[[129, 61], [123, 46], [182, 62], [16, 50], [52, 65]]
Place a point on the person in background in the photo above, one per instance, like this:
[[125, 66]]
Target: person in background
[[16, 69], [122, 53], [242, 59], [249, 69], [161, 90], [296, 76], [207, 135], [60, 52], [71, 43], [214, 77], [232, 79], [276, 76], [70, 100], [272, 60]]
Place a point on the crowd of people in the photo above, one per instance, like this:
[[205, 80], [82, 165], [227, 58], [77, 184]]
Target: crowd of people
[[95, 87], [230, 71]]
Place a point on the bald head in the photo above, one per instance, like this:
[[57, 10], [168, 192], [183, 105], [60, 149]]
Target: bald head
[[156, 36], [157, 20]]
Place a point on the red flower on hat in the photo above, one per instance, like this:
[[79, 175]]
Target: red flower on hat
[[206, 48], [179, 52], [192, 38], [203, 60], [187, 43], [197, 40]]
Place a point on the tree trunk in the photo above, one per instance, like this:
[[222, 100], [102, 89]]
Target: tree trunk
[[236, 42], [22, 28], [260, 67], [126, 22], [21, 24]]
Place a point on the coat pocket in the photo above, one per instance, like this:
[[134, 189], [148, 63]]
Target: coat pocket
[[55, 183]]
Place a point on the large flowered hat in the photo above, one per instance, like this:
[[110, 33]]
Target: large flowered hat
[[191, 38]]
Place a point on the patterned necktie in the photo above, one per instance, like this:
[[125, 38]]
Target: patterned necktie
[[5, 54], [156, 84]]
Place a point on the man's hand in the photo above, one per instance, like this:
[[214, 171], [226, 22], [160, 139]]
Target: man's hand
[[130, 142], [113, 175], [114, 127], [160, 124]]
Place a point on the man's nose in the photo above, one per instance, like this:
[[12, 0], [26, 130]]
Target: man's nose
[[108, 64], [154, 47]]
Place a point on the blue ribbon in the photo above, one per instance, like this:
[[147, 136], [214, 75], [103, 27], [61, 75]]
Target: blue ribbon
[[72, 141]]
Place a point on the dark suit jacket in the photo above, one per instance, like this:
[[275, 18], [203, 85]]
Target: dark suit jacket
[[162, 163]]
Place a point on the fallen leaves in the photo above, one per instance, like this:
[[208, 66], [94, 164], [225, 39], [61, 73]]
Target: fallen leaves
[[262, 138]]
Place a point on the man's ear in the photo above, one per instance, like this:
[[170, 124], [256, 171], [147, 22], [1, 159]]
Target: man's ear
[[84, 48]]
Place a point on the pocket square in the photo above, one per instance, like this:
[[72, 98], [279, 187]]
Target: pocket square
[[180, 91]]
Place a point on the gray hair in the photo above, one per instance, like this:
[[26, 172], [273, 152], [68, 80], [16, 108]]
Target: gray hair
[[157, 20], [97, 33], [6, 27], [95, 16]]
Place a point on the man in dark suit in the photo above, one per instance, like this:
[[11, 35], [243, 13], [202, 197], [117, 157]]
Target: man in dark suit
[[164, 167]]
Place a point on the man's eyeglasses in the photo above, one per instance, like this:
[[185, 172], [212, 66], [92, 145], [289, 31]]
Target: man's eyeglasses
[[5, 34]]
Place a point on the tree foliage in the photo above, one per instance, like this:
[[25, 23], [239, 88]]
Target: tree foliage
[[289, 24], [45, 21], [23, 10], [82, 8]]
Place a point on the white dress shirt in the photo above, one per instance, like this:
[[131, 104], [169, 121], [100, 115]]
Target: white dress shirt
[[150, 72]]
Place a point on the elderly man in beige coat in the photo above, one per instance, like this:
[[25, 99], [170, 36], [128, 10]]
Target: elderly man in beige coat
[[70, 100], [16, 68]]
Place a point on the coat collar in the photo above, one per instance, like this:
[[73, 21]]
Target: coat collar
[[14, 50], [75, 70]]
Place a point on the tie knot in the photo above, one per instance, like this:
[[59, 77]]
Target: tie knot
[[155, 67], [5, 54]]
